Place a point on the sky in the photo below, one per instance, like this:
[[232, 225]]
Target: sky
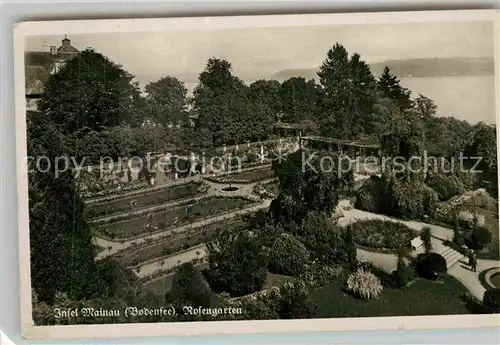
[[260, 53], [263, 52]]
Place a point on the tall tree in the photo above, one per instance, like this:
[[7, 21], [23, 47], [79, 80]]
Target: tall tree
[[335, 80], [364, 91], [310, 182], [224, 109], [390, 87], [299, 98], [91, 91], [350, 94], [167, 101], [267, 92]]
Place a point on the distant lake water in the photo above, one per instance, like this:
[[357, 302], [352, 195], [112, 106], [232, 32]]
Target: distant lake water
[[466, 98]]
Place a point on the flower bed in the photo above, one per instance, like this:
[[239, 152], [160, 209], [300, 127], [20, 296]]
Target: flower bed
[[382, 234], [117, 189], [163, 195], [173, 217], [175, 243], [447, 212]]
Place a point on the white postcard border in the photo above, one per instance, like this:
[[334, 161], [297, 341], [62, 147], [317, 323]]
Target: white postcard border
[[23, 29]]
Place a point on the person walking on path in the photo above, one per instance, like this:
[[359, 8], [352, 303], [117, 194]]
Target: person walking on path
[[474, 262]]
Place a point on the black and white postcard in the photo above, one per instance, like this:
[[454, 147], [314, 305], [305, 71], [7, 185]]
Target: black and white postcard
[[258, 174]]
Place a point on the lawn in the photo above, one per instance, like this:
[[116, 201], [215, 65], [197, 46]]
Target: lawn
[[176, 216], [423, 297], [143, 200]]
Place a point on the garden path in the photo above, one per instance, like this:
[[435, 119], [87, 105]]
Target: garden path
[[168, 262], [388, 262], [469, 278]]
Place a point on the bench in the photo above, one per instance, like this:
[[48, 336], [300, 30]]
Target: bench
[[417, 243]]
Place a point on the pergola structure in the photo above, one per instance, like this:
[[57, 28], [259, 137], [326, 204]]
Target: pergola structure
[[349, 147]]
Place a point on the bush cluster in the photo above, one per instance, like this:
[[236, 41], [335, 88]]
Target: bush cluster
[[288, 256], [446, 186], [364, 284]]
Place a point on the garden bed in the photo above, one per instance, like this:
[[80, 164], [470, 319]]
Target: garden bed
[[423, 297], [175, 243], [150, 198], [173, 217], [244, 176], [382, 234]]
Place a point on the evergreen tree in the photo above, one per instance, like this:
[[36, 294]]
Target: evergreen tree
[[335, 79], [299, 98], [390, 87], [350, 94], [365, 94]]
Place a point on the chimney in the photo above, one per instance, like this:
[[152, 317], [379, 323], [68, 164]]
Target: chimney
[[53, 50]]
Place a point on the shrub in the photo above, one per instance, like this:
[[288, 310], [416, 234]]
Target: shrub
[[479, 238], [370, 195], [318, 274], [404, 272], [458, 237], [446, 186], [429, 264], [409, 199], [364, 285], [288, 256], [491, 300], [294, 301], [426, 236]]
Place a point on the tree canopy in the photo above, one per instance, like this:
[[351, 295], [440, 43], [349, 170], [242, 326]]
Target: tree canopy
[[91, 91]]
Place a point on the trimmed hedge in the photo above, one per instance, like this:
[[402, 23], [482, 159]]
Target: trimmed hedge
[[479, 238], [429, 264]]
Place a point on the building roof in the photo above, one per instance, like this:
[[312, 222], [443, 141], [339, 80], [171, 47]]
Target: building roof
[[37, 67], [67, 48]]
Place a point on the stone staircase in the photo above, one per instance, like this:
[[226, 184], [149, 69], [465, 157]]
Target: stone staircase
[[451, 255]]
